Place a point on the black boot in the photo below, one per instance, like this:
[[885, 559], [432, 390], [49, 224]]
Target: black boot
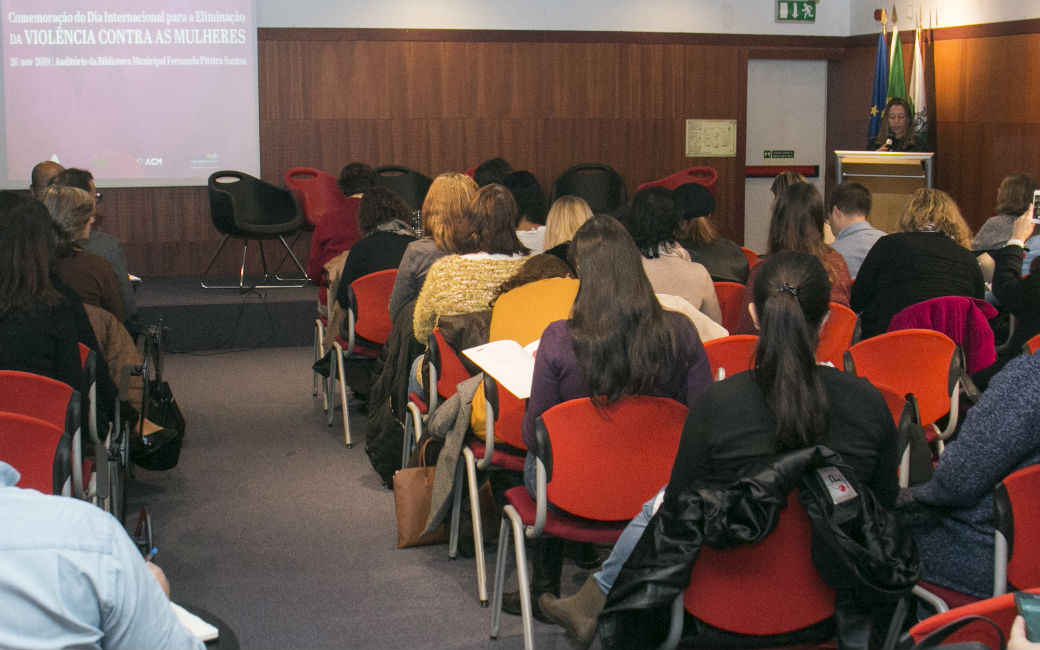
[[546, 567]]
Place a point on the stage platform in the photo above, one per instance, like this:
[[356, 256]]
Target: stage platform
[[217, 319]]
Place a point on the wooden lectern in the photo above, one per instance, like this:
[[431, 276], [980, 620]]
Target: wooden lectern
[[891, 176]]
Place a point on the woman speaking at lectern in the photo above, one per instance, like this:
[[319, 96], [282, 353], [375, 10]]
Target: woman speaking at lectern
[[897, 129]]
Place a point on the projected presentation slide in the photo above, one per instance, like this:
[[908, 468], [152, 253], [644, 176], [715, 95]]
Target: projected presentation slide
[[140, 92]]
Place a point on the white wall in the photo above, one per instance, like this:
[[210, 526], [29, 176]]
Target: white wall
[[940, 13]]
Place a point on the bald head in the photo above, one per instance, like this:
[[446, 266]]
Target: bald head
[[42, 175]]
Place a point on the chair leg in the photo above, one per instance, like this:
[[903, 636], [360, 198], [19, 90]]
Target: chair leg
[[500, 575], [318, 336], [523, 584], [408, 442], [213, 259], [478, 530], [303, 279], [456, 511], [341, 372]]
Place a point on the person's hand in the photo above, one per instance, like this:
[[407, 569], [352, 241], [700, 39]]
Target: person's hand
[[1017, 639], [160, 577], [1023, 226]]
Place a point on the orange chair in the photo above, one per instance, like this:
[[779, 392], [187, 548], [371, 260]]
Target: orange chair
[[1016, 560], [731, 354], [836, 335], [706, 176], [907, 419], [368, 317], [923, 362], [752, 257], [606, 462], [39, 451], [1000, 610], [753, 576], [1032, 345], [731, 297]]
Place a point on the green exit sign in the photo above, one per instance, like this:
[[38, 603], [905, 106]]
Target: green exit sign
[[798, 11]]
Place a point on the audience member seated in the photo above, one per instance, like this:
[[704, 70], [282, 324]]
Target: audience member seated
[[488, 254], [442, 219], [339, 231], [530, 203], [897, 129], [797, 225], [928, 258], [951, 515], [653, 223], [787, 402], [1014, 196], [103, 244], [783, 181], [853, 234], [722, 257], [70, 577], [639, 348], [491, 171], [565, 217]]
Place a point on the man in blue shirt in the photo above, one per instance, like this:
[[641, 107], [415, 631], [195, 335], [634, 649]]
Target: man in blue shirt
[[853, 236], [71, 577]]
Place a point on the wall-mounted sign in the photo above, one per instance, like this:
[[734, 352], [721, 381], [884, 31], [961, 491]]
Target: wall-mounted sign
[[711, 138], [778, 153], [796, 11]]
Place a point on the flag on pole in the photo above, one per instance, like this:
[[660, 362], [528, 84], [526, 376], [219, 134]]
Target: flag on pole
[[896, 78], [879, 97], [918, 98]]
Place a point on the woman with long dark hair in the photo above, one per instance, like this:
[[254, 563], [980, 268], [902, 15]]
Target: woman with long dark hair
[[786, 402], [618, 341]]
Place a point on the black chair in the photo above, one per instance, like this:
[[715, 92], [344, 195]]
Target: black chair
[[600, 185], [406, 183], [247, 208]]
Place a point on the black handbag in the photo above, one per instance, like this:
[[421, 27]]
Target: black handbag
[[161, 408]]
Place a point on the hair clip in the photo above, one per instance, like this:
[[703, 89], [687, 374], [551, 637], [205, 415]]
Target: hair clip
[[786, 288]]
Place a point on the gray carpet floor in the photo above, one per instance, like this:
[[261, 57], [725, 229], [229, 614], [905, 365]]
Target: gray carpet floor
[[271, 523]]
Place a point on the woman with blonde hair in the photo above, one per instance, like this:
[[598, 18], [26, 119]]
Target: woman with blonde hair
[[928, 258], [565, 217], [442, 221]]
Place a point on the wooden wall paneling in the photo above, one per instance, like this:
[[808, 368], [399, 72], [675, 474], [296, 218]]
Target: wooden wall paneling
[[430, 80], [950, 81], [650, 81], [280, 66], [581, 80], [347, 80]]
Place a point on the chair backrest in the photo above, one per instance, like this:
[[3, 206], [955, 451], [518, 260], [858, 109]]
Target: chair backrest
[[607, 461], [731, 297], [370, 298], [964, 320], [39, 451], [507, 411], [922, 362], [905, 416], [750, 255], [774, 578], [523, 313], [406, 183], [1017, 505], [706, 176], [1001, 610], [40, 397], [731, 354], [445, 360], [600, 185], [1032, 345], [245, 206], [317, 192], [836, 335]]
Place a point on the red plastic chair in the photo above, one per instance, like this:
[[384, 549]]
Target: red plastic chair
[[905, 416], [1017, 540], [317, 192], [445, 372], [731, 354], [923, 362], [726, 585], [1001, 610], [752, 257], [39, 451], [836, 335], [368, 317], [1032, 345], [706, 176], [606, 462], [731, 297]]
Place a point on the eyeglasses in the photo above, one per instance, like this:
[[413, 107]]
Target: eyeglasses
[[99, 196]]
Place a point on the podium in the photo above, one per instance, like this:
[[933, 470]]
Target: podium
[[891, 176]]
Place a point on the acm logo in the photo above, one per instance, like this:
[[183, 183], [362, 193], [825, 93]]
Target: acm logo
[[150, 162]]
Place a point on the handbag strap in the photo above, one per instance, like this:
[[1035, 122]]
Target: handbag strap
[[937, 636]]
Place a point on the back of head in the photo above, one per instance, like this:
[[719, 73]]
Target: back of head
[[380, 205], [652, 220], [565, 217], [785, 180], [73, 177], [851, 198], [71, 209], [694, 203], [356, 178], [791, 298], [492, 218], [42, 174], [530, 199], [1015, 194], [931, 210], [443, 210], [797, 221], [491, 171], [26, 249], [621, 339]]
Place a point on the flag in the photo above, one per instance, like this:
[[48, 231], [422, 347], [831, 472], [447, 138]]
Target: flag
[[877, 100], [896, 78], [918, 98]]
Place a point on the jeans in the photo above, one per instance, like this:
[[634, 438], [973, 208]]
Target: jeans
[[606, 576]]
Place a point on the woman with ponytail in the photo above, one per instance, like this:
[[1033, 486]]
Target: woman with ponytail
[[786, 402]]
